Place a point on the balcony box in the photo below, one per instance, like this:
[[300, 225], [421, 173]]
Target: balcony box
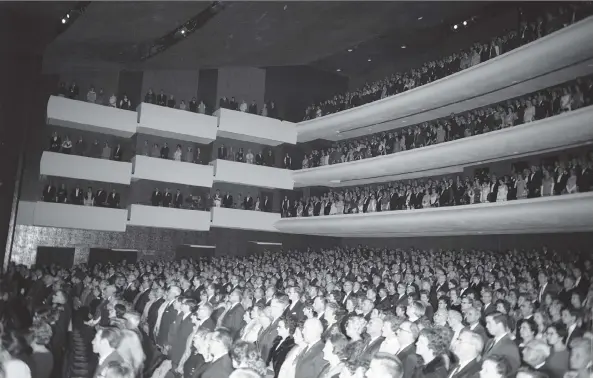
[[254, 128], [85, 168], [252, 175], [91, 117], [176, 124], [60, 215], [564, 213], [244, 219], [178, 172], [548, 61], [560, 132], [171, 218]]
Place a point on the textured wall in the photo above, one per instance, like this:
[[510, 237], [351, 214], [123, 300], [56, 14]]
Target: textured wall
[[243, 83]]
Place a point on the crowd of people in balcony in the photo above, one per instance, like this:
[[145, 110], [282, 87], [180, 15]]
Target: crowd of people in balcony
[[72, 91], [246, 202], [79, 196], [548, 22], [336, 312], [81, 148], [265, 157], [187, 154], [533, 107], [574, 175], [269, 109], [169, 101]]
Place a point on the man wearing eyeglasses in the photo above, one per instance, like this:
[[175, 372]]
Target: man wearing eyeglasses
[[407, 333]]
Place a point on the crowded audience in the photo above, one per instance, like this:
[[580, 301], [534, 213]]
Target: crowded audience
[[533, 107], [571, 175], [268, 109], [80, 147], [550, 19], [79, 196], [72, 91], [265, 157], [338, 312], [169, 101], [187, 154], [246, 202]]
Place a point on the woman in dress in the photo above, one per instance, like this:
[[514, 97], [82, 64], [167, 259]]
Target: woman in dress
[[547, 188], [372, 207], [66, 145], [253, 326], [89, 198], [287, 369], [305, 162], [249, 157], [189, 154], [106, 153], [558, 361], [257, 205], [333, 209], [571, 183], [485, 191], [299, 210], [426, 198], [521, 186], [177, 154], [565, 100], [503, 191]]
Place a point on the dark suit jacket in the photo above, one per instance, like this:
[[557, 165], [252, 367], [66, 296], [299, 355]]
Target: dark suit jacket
[[471, 370], [49, 193], [178, 335], [508, 349], [178, 200], [221, 368], [266, 339], [156, 198], [310, 363], [222, 153], [248, 203], [167, 199], [152, 316], [280, 349], [227, 201], [167, 320], [549, 288], [578, 332], [142, 301], [266, 205], [480, 330], [372, 349], [77, 199], [297, 311], [409, 360], [100, 198], [233, 319], [113, 200]]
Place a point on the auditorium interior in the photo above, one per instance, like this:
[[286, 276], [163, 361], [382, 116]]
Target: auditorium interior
[[296, 189]]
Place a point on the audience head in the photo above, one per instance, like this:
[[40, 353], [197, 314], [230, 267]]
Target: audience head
[[384, 365], [106, 340], [495, 367]]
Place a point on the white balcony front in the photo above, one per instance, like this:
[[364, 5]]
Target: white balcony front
[[177, 172], [177, 124], [548, 61], [87, 116], [563, 131], [60, 215], [252, 175], [85, 168], [244, 219], [565, 213], [253, 128], [171, 218]]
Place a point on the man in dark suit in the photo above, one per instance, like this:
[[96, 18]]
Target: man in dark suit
[[570, 315], [545, 287], [233, 105], [167, 198], [232, 317], [55, 143], [227, 200], [153, 311], [374, 330], [165, 151], [467, 348], [269, 159], [77, 197], [534, 182], [287, 161], [253, 107], [166, 316], [156, 198], [502, 344], [104, 344], [49, 193], [310, 362], [266, 338], [488, 307], [285, 206], [150, 97], [221, 365], [222, 152], [585, 177], [248, 202], [117, 153], [259, 159], [113, 199], [101, 197], [472, 318], [180, 331], [296, 307], [161, 99], [282, 344], [407, 336], [316, 207], [142, 298], [178, 200], [266, 205]]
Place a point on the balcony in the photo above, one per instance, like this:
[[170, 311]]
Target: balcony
[[85, 168], [546, 62], [170, 218], [91, 117], [244, 219], [566, 213], [252, 175], [178, 172], [563, 131], [60, 215], [253, 128], [177, 124]]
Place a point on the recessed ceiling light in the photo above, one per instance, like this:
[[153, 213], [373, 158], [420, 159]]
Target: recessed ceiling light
[[68, 15], [63, 20], [369, 59], [464, 23], [350, 50], [404, 46], [339, 69], [420, 18], [455, 26]]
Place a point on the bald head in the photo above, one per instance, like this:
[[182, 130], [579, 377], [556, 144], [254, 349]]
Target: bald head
[[312, 330]]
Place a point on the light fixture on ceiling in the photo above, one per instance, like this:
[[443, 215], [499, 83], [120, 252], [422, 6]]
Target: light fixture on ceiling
[[404, 46], [63, 20], [68, 15], [369, 59], [339, 70], [420, 18], [464, 23], [350, 50], [455, 27], [335, 181]]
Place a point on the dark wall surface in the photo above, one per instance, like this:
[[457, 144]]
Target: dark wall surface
[[207, 86]]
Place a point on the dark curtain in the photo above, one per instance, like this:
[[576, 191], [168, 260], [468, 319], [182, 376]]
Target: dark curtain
[[104, 255], [207, 86], [130, 84], [63, 257]]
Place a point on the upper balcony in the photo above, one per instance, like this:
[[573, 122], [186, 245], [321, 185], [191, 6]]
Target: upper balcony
[[85, 168], [86, 116], [252, 175], [178, 172], [253, 128], [177, 124], [563, 131], [553, 59], [566, 213]]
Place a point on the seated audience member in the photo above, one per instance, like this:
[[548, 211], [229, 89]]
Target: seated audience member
[[385, 365]]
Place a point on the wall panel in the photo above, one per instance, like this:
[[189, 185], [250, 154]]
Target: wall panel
[[243, 83], [183, 84]]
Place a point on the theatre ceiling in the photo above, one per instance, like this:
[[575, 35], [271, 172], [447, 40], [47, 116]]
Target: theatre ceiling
[[247, 33]]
